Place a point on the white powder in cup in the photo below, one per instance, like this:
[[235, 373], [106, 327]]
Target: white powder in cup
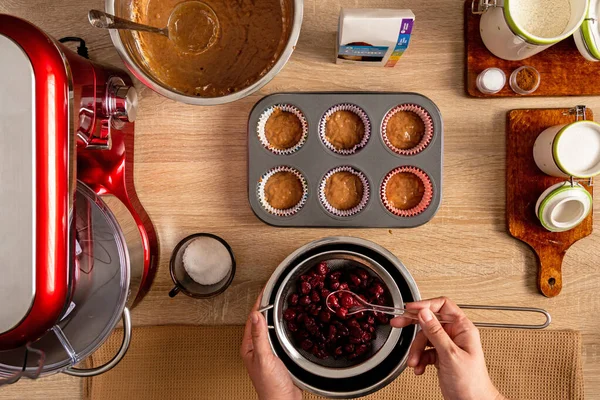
[[206, 260], [542, 18]]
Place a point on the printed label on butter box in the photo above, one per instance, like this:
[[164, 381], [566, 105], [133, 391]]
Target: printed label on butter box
[[364, 53], [403, 40]]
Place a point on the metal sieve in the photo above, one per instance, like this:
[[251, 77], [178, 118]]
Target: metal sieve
[[386, 337]]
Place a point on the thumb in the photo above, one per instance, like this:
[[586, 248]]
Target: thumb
[[436, 334], [260, 332]]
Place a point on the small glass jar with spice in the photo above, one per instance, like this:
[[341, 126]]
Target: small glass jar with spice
[[524, 80]]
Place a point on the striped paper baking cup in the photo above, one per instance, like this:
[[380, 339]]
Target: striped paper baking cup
[[260, 192], [423, 204], [354, 210], [345, 107], [427, 134], [264, 118]]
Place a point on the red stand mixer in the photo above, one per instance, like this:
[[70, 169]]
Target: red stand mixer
[[77, 249]]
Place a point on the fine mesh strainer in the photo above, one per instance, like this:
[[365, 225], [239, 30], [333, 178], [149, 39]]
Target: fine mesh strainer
[[386, 337]]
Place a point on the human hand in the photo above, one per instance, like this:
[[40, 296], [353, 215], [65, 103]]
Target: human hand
[[457, 353], [269, 375]]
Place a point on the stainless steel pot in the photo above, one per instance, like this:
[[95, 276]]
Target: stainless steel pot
[[126, 48], [332, 378]]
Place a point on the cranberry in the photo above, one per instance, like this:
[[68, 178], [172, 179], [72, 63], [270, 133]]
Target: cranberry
[[306, 344], [325, 293], [304, 278], [303, 333], [371, 320], [292, 326], [353, 324], [382, 318], [338, 351], [300, 317], [314, 350], [359, 315], [304, 300], [354, 340], [355, 280], [352, 356], [341, 312], [325, 316], [349, 348], [347, 300], [356, 332], [333, 302], [343, 286], [322, 269], [316, 310], [364, 326], [366, 337], [335, 275], [371, 329], [334, 286], [314, 296], [376, 290], [305, 288], [332, 332], [362, 274], [289, 314], [362, 349], [380, 301], [294, 299], [343, 330]]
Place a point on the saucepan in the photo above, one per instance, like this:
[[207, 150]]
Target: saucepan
[[387, 357]]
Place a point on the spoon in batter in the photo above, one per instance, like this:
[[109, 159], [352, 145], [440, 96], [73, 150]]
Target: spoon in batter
[[193, 26]]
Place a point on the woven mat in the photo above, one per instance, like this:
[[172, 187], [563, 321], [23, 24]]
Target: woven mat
[[194, 362]]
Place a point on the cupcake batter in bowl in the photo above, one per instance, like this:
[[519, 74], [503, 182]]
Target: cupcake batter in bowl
[[404, 190], [344, 190], [283, 190], [250, 39], [405, 129], [283, 130]]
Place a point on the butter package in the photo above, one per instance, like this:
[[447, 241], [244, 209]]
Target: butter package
[[375, 37]]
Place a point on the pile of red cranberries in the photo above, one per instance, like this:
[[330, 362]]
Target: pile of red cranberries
[[323, 333]]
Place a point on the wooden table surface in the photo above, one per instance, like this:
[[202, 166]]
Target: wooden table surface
[[191, 176]]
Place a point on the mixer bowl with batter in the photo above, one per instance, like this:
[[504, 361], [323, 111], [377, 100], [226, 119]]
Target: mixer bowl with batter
[[255, 41]]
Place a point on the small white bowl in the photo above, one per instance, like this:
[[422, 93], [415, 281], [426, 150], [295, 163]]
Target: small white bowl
[[563, 206]]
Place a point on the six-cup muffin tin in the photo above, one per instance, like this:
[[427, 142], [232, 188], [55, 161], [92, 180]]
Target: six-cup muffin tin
[[314, 160]]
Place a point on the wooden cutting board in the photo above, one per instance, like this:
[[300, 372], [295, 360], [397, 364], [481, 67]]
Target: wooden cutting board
[[525, 183], [563, 70]]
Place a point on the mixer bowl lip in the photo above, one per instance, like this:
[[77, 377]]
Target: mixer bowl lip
[[150, 82], [390, 368], [359, 368]]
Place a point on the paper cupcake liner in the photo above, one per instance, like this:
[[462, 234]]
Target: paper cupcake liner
[[423, 204], [260, 192], [354, 210], [427, 135], [345, 107], [262, 122]]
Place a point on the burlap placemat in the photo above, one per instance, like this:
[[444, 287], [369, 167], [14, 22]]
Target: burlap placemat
[[203, 362]]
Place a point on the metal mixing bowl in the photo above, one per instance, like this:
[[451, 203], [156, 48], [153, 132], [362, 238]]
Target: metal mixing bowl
[[373, 376], [126, 47]]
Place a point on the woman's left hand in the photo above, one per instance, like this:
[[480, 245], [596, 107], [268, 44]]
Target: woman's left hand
[[269, 375]]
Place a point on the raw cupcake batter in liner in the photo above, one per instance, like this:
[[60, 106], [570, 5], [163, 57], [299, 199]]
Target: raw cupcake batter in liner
[[404, 190], [283, 130], [252, 36], [283, 190], [344, 190], [344, 129], [405, 129]]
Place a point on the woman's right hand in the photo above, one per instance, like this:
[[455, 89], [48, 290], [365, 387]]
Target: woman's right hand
[[456, 351]]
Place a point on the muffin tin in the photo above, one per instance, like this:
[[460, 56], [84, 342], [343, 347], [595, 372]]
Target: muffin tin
[[314, 160]]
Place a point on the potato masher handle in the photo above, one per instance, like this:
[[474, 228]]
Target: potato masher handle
[[509, 308]]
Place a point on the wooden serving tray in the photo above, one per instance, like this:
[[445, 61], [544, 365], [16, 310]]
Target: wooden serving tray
[[563, 70], [525, 183]]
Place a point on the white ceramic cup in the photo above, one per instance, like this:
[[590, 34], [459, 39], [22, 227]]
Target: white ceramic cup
[[506, 39], [569, 150], [563, 206]]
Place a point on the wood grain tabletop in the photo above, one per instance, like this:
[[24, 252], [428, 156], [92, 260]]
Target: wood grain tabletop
[[190, 175]]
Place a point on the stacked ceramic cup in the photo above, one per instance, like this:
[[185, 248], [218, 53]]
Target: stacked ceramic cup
[[569, 151]]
